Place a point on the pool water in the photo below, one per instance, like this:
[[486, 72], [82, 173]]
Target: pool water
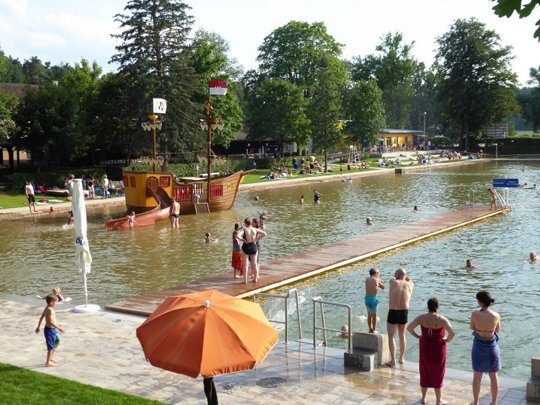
[[37, 254]]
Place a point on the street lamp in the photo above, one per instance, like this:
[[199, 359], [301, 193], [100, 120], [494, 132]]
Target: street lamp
[[152, 125], [209, 123], [425, 114]]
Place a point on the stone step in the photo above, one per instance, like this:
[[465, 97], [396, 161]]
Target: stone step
[[365, 360]]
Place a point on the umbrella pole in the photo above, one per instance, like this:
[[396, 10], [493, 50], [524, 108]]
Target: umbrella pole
[[210, 391], [85, 288]]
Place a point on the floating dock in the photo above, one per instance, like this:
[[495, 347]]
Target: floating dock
[[290, 269]]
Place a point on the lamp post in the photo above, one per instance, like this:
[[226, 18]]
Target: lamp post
[[152, 125], [208, 123]]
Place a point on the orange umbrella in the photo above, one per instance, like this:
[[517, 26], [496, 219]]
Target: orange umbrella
[[207, 333]]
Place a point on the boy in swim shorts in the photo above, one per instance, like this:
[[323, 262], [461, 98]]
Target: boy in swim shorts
[[373, 283], [51, 329]]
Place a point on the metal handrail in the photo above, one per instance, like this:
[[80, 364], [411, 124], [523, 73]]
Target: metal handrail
[[285, 297], [321, 302]]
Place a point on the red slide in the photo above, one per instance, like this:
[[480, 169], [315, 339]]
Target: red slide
[[146, 218]]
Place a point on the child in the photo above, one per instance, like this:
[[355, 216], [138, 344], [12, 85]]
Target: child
[[415, 209], [70, 219], [236, 260], [57, 292], [262, 217], [51, 329], [373, 283], [208, 238], [302, 200], [131, 219], [368, 221]]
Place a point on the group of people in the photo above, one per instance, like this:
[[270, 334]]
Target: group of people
[[435, 332], [246, 246]]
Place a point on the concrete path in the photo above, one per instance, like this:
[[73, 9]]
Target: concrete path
[[103, 350]]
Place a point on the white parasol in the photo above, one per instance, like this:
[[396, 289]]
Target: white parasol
[[83, 258]]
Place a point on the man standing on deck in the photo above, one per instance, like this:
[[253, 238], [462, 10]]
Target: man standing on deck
[[30, 196], [400, 292]]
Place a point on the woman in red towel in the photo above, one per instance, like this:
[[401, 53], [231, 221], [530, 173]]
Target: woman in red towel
[[432, 348]]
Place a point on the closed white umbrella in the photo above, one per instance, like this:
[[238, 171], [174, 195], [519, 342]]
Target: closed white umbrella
[[83, 258]]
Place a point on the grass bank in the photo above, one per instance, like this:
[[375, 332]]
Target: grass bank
[[21, 386], [12, 199]]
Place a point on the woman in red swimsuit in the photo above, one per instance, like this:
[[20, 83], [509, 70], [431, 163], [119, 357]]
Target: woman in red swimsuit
[[432, 348]]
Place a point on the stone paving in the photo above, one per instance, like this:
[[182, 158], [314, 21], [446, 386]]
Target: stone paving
[[102, 350]]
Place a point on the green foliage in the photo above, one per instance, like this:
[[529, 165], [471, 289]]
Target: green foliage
[[529, 99], [477, 86], [154, 55], [505, 8], [277, 110], [425, 100], [365, 109], [210, 61], [10, 70], [55, 121], [20, 386], [8, 104], [293, 52], [393, 69], [325, 111]]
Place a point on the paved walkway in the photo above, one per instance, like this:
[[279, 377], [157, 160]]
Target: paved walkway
[[103, 350], [301, 265]]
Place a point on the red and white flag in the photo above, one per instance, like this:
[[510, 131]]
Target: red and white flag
[[217, 88]]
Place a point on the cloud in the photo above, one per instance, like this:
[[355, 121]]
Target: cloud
[[16, 8]]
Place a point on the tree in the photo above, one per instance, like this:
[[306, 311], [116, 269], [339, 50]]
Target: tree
[[277, 110], [529, 99], [56, 121], [325, 110], [210, 60], [293, 52], [424, 101], [477, 86], [10, 70], [505, 8], [155, 55], [365, 109], [35, 71], [8, 104], [393, 69]]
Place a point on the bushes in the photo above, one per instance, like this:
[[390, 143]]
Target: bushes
[[56, 178]]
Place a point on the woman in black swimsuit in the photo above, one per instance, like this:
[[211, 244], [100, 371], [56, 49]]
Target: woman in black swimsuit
[[249, 235]]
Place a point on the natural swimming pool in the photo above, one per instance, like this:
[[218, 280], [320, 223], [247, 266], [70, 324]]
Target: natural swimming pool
[[37, 255]]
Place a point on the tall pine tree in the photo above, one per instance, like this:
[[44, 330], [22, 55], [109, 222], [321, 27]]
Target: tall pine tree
[[155, 55]]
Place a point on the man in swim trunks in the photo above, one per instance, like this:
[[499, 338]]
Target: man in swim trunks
[[51, 329], [175, 213], [373, 283], [400, 292], [29, 192]]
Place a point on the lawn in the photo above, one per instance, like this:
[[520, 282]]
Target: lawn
[[255, 177], [20, 386], [12, 199]]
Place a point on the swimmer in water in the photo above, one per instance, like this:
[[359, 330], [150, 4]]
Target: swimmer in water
[[415, 209], [302, 200], [344, 331], [208, 238], [533, 257], [468, 264], [316, 197], [368, 221]]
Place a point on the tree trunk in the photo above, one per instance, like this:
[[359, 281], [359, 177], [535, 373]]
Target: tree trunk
[[18, 158], [11, 160], [325, 154]]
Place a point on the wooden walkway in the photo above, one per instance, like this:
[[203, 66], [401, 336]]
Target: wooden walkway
[[289, 269]]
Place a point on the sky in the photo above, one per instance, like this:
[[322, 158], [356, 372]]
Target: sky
[[68, 30]]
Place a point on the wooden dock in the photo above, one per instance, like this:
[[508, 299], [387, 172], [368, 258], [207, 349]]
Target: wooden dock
[[292, 268]]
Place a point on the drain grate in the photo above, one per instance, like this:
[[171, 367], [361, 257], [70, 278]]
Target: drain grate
[[271, 382], [229, 387]]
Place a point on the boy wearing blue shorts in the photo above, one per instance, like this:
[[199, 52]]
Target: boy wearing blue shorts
[[51, 329], [373, 283]]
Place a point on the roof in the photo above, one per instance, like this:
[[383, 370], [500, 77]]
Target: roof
[[400, 131], [17, 89]]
